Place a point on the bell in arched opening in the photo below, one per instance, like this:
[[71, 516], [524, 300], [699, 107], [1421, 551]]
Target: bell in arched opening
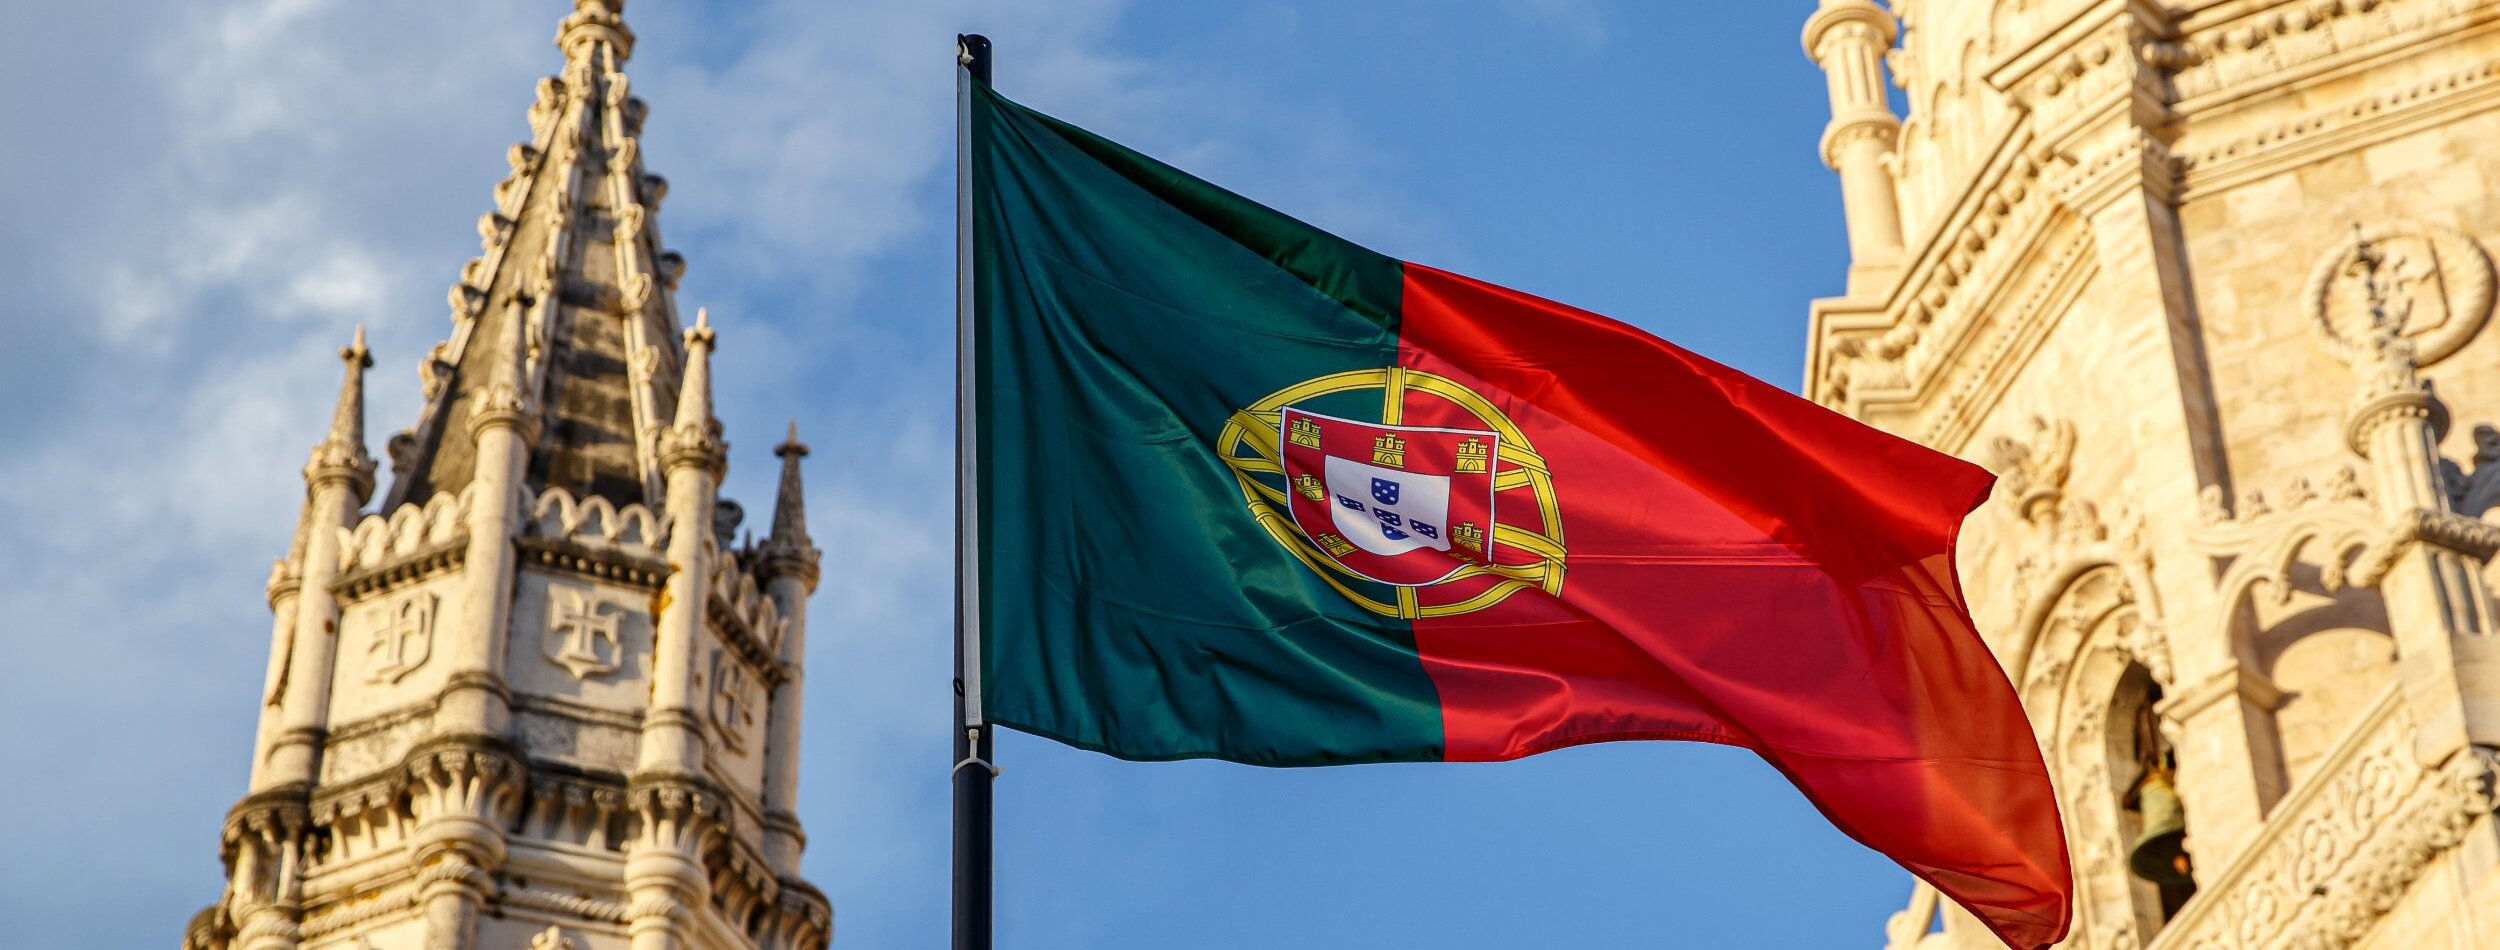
[[2159, 852]]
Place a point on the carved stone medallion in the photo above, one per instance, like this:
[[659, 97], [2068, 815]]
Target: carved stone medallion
[[404, 639], [582, 634], [2431, 283]]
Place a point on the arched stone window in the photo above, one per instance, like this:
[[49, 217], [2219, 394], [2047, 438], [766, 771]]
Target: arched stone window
[[2329, 678], [2326, 655]]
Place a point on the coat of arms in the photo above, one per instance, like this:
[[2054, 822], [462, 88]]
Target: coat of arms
[[1400, 514]]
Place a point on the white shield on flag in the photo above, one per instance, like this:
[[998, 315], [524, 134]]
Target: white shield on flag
[[1402, 505]]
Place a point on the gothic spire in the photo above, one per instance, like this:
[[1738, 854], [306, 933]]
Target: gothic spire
[[341, 453], [788, 551], [694, 402], [571, 300], [790, 506], [695, 438]]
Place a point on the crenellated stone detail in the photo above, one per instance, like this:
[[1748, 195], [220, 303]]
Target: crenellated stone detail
[[742, 613], [556, 514], [380, 539]]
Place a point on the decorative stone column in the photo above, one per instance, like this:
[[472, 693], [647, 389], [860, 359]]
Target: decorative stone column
[[503, 424], [265, 832], [1847, 38], [464, 793], [663, 877], [283, 590], [2428, 562], [265, 839], [338, 479], [789, 564]]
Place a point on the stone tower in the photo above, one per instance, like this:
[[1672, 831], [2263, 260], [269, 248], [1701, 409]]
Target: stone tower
[[2184, 274], [538, 696]]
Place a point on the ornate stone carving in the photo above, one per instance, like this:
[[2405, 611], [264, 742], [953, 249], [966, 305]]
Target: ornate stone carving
[[2337, 854], [502, 404], [629, 222], [582, 633], [561, 903], [733, 699], [2276, 39], [467, 808], [403, 640], [637, 295], [2475, 539], [2033, 471], [2429, 284], [493, 229], [466, 301]]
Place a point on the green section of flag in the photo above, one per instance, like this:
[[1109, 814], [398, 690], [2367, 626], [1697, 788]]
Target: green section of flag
[[1130, 603]]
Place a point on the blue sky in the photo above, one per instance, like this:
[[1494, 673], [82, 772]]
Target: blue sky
[[206, 196]]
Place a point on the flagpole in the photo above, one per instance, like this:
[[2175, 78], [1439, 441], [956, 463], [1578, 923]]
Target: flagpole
[[973, 772]]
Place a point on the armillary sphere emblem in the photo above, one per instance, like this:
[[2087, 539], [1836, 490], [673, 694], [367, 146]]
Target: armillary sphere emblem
[[1441, 507]]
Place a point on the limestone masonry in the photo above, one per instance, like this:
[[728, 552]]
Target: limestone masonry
[[540, 696], [2184, 274]]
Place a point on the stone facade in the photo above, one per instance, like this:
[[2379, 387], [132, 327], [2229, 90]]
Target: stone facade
[[2184, 274], [539, 696]]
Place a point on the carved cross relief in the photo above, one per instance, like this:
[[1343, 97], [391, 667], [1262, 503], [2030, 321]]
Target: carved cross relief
[[403, 641], [582, 634], [733, 699]]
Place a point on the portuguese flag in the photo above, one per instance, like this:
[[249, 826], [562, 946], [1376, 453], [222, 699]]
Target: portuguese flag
[[1247, 491]]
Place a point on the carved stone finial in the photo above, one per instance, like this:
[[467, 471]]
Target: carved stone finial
[[695, 437], [341, 456], [592, 23], [788, 550]]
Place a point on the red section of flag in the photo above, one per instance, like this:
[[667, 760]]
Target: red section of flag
[[1744, 567]]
